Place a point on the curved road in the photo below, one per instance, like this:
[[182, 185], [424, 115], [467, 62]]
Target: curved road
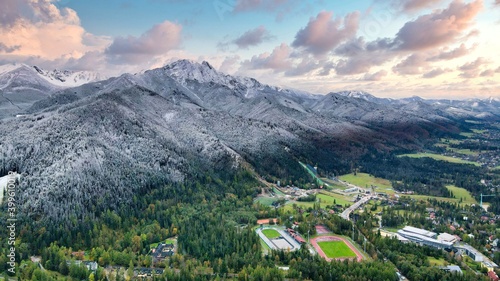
[[345, 214]]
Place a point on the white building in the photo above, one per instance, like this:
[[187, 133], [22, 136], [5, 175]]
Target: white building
[[423, 237], [446, 237]]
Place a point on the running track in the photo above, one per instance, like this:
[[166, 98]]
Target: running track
[[314, 242]]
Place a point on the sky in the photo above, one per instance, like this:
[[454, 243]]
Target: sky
[[389, 48]]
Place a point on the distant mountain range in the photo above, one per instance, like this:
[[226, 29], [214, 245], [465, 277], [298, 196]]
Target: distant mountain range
[[84, 141], [22, 85]]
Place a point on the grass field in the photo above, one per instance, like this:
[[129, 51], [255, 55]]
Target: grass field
[[365, 180], [479, 132], [467, 198], [312, 174], [459, 192], [436, 262], [450, 141], [266, 201], [333, 184], [327, 198], [167, 241], [439, 158], [271, 233], [467, 135], [336, 249]]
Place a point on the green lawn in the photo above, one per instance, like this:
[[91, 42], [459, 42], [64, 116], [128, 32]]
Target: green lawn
[[467, 135], [327, 198], [167, 241], [450, 141], [465, 151], [277, 192], [312, 174], [436, 262], [459, 192], [467, 199], [271, 233], [439, 158], [336, 249], [366, 181], [266, 201], [333, 184]]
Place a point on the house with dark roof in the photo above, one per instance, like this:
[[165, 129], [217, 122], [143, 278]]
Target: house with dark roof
[[162, 251]]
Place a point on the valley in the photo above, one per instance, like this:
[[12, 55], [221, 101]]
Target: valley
[[187, 173]]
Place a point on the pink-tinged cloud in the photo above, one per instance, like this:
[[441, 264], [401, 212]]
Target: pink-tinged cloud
[[472, 69], [474, 64], [357, 56], [412, 65], [439, 28], [452, 54], [253, 37], [305, 66], [488, 73], [229, 64], [158, 40], [278, 60], [34, 11], [497, 2], [8, 49], [377, 76], [436, 72], [324, 33], [38, 28]]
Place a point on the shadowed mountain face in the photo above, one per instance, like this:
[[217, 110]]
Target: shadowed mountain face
[[102, 143]]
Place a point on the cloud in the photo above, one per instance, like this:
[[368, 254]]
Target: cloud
[[252, 37], [324, 33], [411, 65], [452, 54], [357, 56], [37, 28], [435, 72], [487, 73], [474, 64], [229, 64], [497, 2], [438, 28], [377, 76], [278, 60], [8, 49], [158, 40], [472, 69], [305, 66]]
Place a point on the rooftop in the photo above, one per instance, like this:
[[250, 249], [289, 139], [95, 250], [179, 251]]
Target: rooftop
[[420, 231]]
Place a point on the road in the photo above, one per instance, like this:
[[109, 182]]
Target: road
[[345, 214]]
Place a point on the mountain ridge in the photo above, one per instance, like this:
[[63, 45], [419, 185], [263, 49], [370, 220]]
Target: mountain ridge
[[101, 143]]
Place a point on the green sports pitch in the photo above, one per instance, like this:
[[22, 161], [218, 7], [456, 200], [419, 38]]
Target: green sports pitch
[[271, 233], [336, 249]]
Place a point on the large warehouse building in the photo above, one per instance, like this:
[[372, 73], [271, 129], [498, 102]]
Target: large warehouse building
[[424, 237]]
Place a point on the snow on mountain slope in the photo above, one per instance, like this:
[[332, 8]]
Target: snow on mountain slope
[[60, 78], [67, 78], [21, 85]]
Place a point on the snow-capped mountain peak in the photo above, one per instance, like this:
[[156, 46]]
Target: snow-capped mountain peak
[[67, 78]]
